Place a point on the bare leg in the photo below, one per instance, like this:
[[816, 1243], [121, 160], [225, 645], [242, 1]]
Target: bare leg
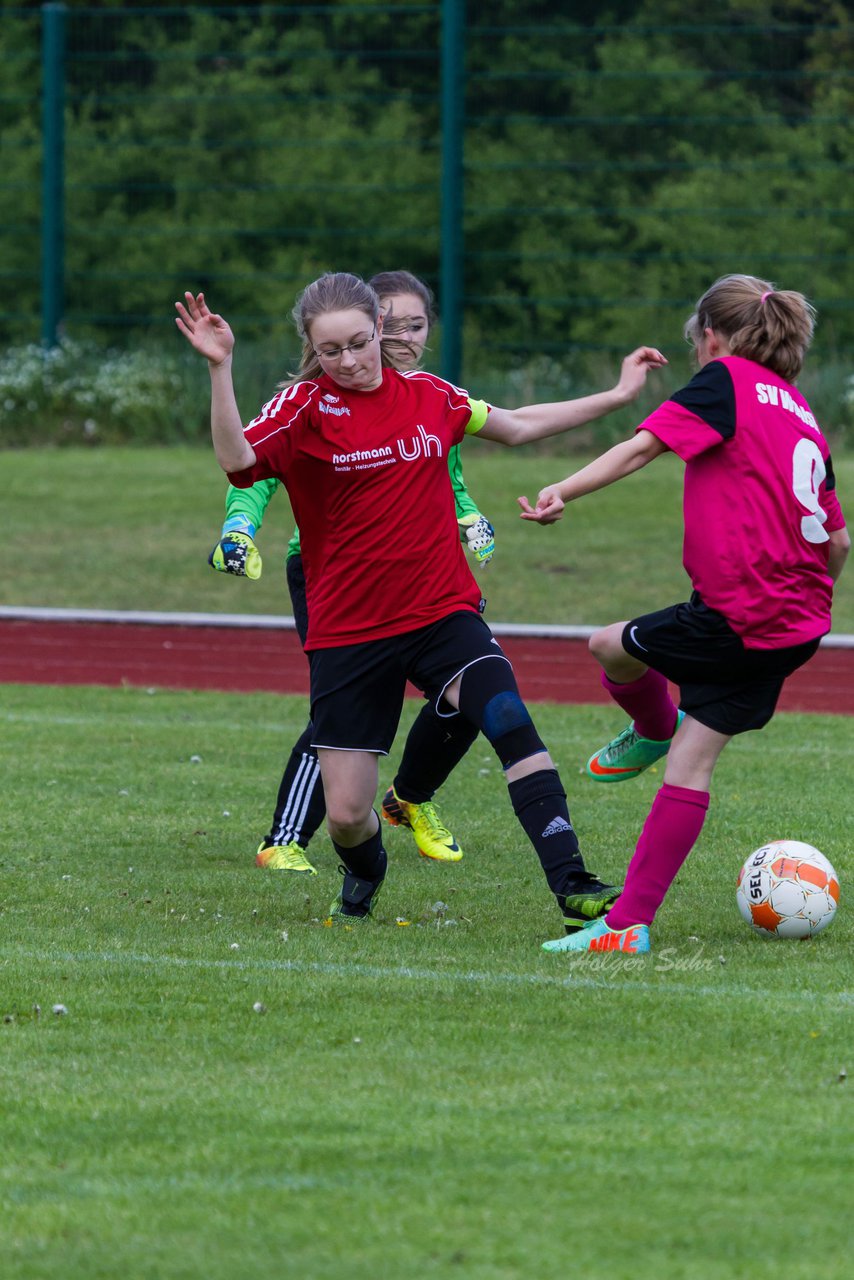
[[693, 755], [350, 780], [606, 647], [638, 689]]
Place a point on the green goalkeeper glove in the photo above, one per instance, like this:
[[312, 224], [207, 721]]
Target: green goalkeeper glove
[[479, 535], [236, 552]]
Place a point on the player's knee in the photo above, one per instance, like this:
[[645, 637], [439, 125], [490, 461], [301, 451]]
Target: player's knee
[[504, 713], [346, 818], [606, 644], [490, 699], [596, 644]]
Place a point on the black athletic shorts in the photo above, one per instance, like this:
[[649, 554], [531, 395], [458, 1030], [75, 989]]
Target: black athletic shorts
[[722, 684], [357, 690]]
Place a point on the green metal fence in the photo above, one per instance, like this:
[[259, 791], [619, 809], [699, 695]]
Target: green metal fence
[[567, 186]]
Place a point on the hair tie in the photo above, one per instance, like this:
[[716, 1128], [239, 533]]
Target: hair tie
[[764, 296]]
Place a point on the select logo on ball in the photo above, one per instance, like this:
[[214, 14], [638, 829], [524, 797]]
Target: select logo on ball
[[787, 889]]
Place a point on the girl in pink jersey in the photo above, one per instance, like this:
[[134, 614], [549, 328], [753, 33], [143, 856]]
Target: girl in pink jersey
[[764, 542], [362, 449]]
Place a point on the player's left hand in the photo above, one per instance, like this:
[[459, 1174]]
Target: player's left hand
[[634, 369], [236, 553], [479, 536], [549, 506]]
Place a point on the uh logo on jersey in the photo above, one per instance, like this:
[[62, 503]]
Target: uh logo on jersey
[[421, 445]]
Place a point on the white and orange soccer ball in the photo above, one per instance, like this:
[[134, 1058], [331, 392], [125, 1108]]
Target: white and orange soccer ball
[[787, 889]]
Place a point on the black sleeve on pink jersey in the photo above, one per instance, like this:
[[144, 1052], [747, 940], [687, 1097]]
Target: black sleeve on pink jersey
[[710, 396], [829, 477]]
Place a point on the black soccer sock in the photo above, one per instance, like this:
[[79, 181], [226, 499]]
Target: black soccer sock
[[539, 802], [367, 860], [434, 747], [364, 866], [301, 804]]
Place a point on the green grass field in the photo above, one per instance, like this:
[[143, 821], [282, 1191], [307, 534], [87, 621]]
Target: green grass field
[[432, 1096], [121, 528]]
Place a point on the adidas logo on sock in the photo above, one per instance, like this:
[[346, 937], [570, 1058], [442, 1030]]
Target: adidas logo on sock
[[556, 825]]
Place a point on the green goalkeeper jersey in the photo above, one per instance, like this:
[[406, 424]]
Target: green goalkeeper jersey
[[249, 505]]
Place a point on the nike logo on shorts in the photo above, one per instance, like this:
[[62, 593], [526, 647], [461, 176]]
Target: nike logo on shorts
[[635, 640]]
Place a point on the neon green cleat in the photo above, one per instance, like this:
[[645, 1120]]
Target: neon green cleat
[[284, 857], [432, 837], [598, 936], [628, 754], [589, 903]]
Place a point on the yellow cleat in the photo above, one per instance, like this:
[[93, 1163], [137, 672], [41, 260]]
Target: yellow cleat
[[432, 837], [284, 857]]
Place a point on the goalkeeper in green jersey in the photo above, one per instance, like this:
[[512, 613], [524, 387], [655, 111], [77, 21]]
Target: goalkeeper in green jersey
[[434, 746]]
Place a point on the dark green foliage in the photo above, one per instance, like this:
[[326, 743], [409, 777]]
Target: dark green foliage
[[617, 160]]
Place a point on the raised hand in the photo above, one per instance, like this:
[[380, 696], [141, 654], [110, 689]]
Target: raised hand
[[206, 332], [635, 367]]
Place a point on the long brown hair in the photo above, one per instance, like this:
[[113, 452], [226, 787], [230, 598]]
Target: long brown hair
[[335, 291], [760, 323], [387, 283]]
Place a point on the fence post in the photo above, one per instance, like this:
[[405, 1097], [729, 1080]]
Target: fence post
[[451, 227], [53, 165]]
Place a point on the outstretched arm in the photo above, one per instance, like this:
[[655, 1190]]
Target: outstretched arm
[[536, 421], [625, 457], [211, 337]]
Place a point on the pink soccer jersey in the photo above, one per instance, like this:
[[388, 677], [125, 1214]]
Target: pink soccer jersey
[[759, 500], [367, 475]]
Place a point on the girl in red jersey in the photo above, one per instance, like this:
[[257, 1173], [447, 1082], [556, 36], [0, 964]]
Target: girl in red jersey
[[362, 450], [434, 746], [764, 542]]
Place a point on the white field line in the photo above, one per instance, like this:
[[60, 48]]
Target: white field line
[[666, 961], [150, 721], [283, 622]]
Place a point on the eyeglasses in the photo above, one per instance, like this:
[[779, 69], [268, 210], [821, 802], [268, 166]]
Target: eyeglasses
[[335, 353]]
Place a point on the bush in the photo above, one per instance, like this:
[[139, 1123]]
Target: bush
[[79, 393]]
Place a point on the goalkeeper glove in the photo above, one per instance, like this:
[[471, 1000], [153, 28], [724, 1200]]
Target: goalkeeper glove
[[236, 552], [479, 536]]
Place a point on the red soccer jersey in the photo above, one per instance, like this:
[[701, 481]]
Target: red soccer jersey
[[367, 476], [759, 500]]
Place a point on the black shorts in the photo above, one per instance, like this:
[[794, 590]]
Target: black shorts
[[357, 690], [722, 684]]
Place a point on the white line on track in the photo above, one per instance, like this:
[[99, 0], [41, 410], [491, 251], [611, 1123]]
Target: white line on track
[[665, 962], [284, 622]]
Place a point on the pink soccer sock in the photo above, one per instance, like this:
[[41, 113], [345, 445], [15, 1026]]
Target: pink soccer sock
[[669, 834], [648, 702]]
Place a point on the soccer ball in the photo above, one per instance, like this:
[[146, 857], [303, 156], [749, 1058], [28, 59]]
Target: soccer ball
[[787, 889]]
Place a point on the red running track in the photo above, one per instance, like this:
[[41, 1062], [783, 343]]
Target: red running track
[[251, 660]]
